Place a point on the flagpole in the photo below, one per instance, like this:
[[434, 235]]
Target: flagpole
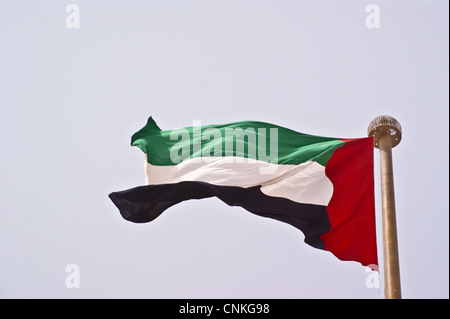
[[387, 134]]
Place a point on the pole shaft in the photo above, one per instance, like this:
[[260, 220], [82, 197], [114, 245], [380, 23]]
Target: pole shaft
[[392, 288]]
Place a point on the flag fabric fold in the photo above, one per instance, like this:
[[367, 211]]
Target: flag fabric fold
[[322, 186]]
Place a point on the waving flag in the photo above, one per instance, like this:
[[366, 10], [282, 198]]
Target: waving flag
[[322, 186]]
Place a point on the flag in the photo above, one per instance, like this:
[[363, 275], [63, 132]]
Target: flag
[[322, 186]]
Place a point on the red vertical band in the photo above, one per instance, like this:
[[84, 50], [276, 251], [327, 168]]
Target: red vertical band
[[351, 210]]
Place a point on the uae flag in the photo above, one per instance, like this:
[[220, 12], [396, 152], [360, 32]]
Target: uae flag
[[323, 186]]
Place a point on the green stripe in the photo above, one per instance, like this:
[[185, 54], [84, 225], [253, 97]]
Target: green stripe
[[293, 147]]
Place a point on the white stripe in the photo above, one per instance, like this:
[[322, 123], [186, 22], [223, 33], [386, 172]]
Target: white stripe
[[303, 183]]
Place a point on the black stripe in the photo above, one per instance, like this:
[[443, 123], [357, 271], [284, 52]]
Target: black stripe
[[144, 203]]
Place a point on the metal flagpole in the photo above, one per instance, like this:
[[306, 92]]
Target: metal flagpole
[[387, 133]]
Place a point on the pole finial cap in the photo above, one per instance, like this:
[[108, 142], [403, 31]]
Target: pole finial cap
[[385, 124]]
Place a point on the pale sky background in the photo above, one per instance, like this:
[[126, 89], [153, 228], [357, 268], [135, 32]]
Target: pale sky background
[[70, 99]]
